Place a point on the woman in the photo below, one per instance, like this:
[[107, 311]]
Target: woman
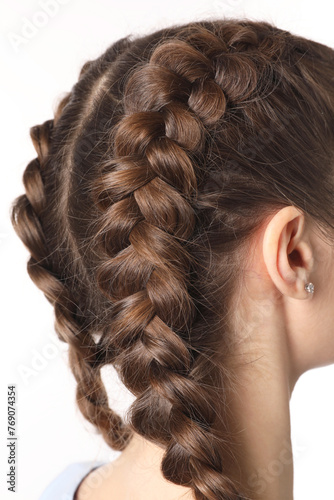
[[179, 216]]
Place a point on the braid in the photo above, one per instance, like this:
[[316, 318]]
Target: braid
[[137, 207], [169, 105], [27, 211]]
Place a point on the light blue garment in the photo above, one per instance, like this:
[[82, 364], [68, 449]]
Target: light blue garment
[[64, 486]]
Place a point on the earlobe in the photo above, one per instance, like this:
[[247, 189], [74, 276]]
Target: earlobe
[[287, 253]]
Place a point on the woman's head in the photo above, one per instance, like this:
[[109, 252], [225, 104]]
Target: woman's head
[[163, 166]]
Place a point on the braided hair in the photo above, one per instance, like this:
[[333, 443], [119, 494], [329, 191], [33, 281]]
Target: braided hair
[[156, 170]]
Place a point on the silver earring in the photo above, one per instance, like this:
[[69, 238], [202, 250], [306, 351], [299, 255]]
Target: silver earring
[[309, 287]]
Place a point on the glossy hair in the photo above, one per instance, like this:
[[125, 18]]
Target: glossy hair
[[156, 171]]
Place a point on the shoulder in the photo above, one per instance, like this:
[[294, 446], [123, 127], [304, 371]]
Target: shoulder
[[65, 484]]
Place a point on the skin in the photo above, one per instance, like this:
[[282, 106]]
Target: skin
[[284, 331]]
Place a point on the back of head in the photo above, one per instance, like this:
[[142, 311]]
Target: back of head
[[158, 167]]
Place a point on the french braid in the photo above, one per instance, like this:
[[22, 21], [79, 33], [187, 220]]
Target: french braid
[[169, 103], [137, 204], [28, 210]]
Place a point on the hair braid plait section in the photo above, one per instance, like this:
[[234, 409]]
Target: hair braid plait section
[[169, 103], [25, 217]]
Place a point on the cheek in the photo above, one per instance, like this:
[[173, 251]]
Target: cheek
[[326, 334], [311, 336], [321, 307], [327, 313], [321, 328]]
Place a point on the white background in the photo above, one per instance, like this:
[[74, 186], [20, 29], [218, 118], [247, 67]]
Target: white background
[[35, 70]]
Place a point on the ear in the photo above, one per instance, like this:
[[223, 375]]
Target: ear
[[287, 252]]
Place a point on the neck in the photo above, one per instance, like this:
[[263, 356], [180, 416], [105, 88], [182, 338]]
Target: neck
[[258, 403], [260, 422]]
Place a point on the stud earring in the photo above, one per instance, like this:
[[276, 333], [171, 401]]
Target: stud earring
[[309, 287]]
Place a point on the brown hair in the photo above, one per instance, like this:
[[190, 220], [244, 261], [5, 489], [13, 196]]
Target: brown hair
[[157, 169]]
